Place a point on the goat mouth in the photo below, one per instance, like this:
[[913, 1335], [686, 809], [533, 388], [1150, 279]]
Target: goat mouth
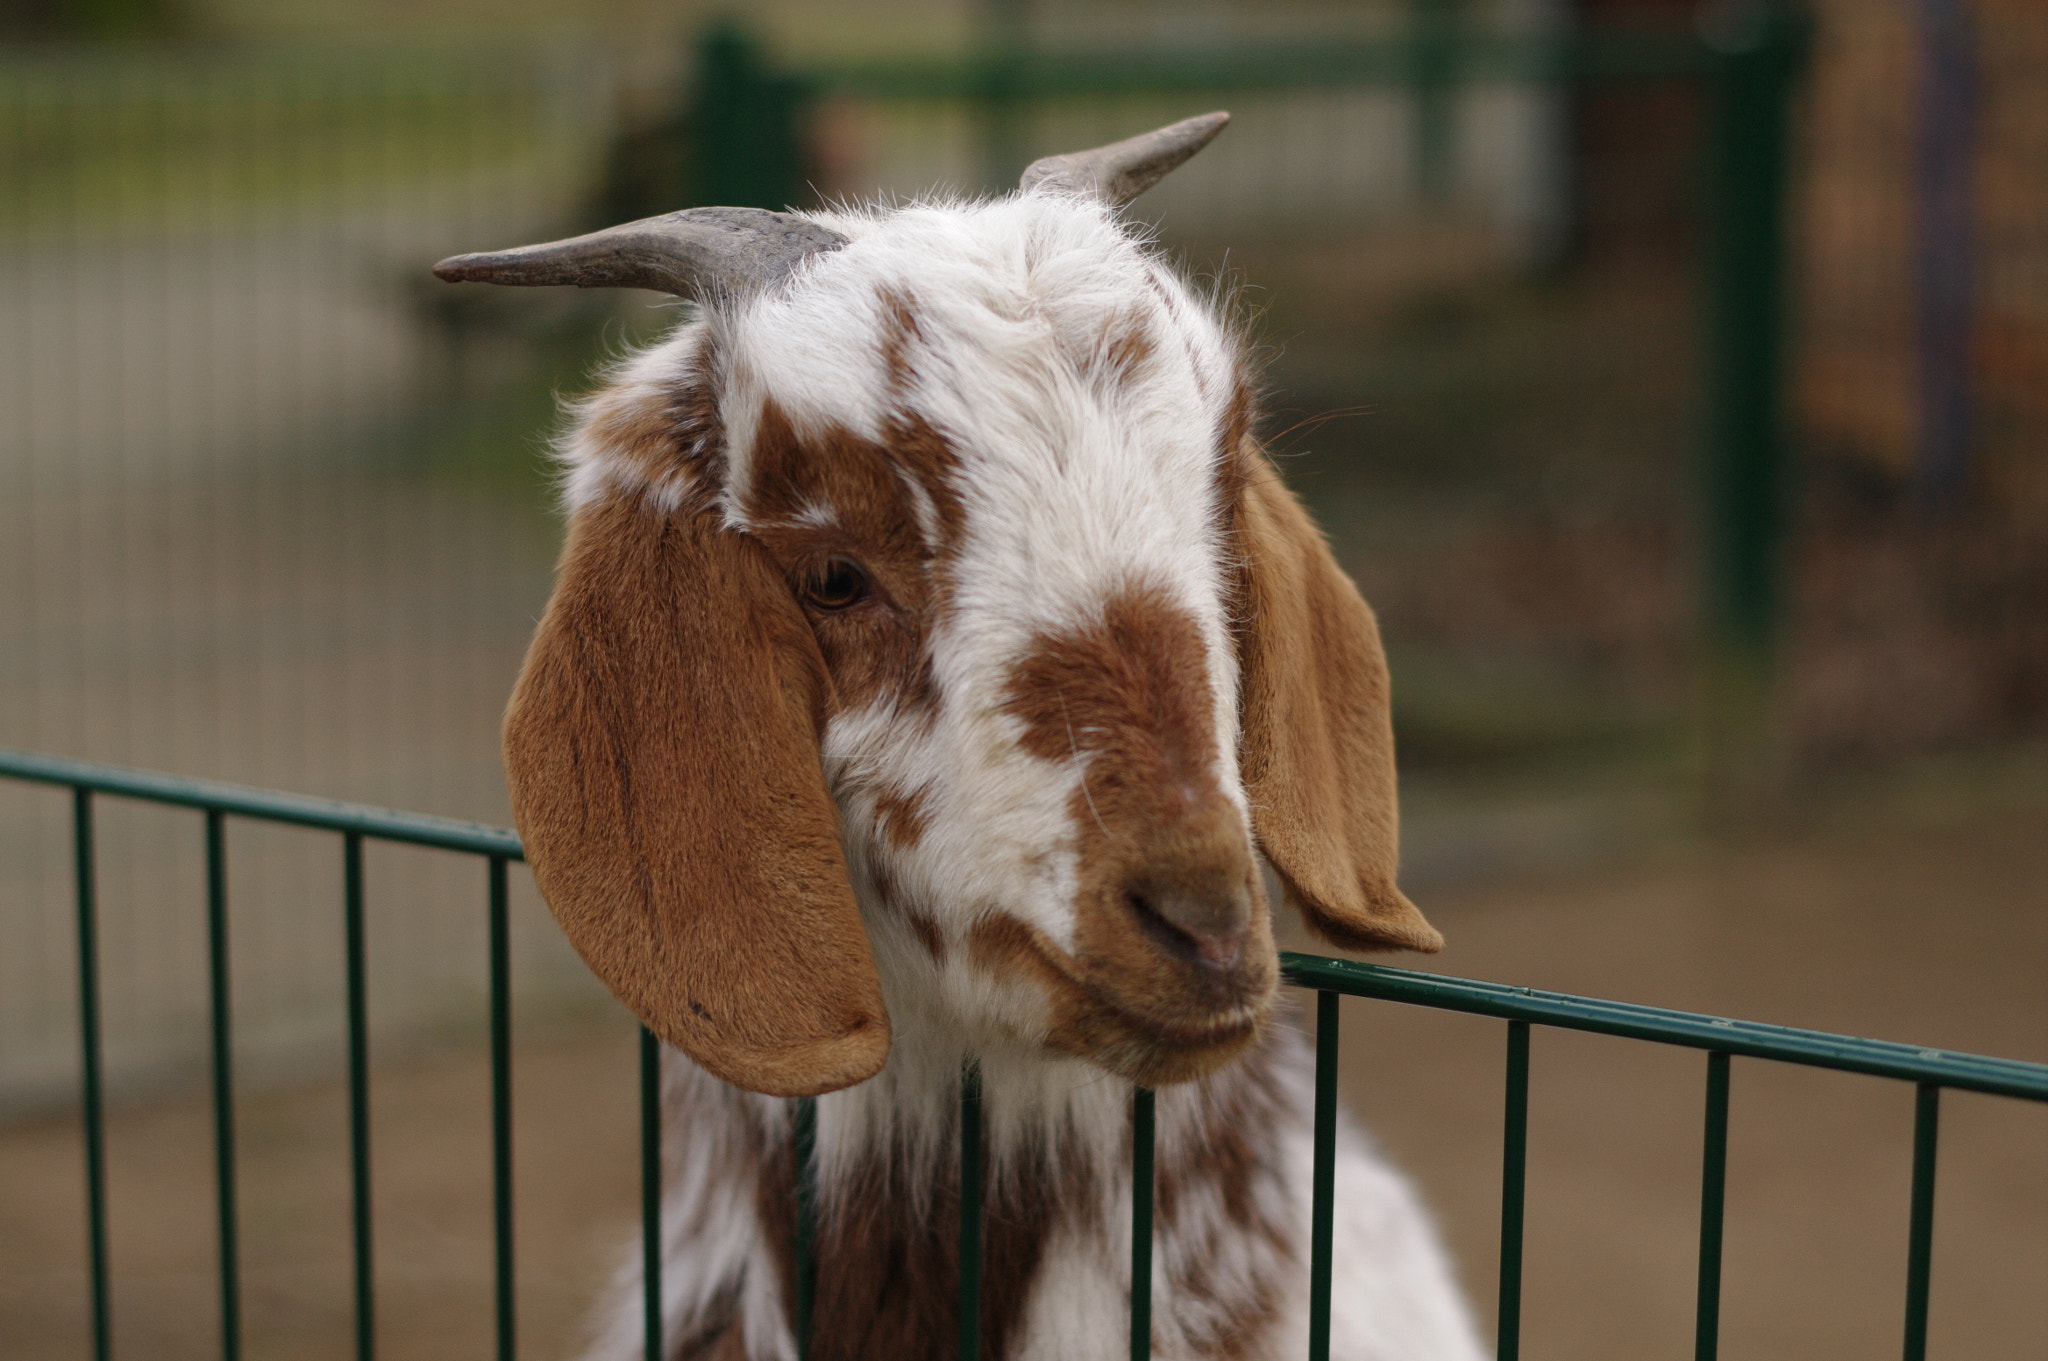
[[1093, 1016], [1152, 1052]]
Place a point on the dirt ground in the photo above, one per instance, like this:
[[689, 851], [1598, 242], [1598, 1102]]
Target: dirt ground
[[1908, 918]]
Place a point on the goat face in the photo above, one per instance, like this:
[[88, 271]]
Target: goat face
[[1032, 728], [930, 630]]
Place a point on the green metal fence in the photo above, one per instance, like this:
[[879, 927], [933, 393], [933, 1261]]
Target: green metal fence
[[325, 443], [1722, 1040]]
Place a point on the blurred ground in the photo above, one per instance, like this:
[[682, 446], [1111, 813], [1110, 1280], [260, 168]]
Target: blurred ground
[[1906, 908], [1910, 912]]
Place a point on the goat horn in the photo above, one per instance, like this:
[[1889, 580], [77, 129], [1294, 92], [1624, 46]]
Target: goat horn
[[1121, 171], [695, 253]]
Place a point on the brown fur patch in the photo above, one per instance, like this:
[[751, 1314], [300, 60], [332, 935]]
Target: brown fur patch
[[927, 932], [921, 451], [1243, 1106], [1133, 684], [902, 815], [875, 649], [775, 1209], [713, 1334], [700, 428], [924, 453], [888, 1266], [1235, 452], [1124, 353], [1169, 300], [1243, 1333], [659, 439], [636, 435], [900, 331]]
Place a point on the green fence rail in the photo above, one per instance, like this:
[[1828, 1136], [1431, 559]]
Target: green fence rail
[[1931, 1071]]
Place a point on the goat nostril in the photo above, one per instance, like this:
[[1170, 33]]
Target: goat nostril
[[1210, 934]]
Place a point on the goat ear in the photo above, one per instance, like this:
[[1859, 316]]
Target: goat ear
[[1317, 750], [662, 749]]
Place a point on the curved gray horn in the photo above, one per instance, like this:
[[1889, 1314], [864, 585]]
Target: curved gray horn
[[693, 254], [1121, 171]]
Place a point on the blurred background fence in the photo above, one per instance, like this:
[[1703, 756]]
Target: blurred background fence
[[1675, 425], [233, 535], [273, 503]]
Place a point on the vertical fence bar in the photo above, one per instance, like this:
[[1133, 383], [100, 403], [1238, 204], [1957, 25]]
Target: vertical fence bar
[[1761, 47], [970, 1213], [90, 1076], [1944, 246], [650, 1192], [1434, 30], [1514, 1168], [1323, 1195], [359, 1093], [1920, 1240], [223, 1086], [1713, 1188], [1005, 42], [1144, 1137], [806, 1221], [501, 1105]]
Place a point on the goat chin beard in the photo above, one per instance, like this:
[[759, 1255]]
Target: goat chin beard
[[1152, 1057], [1103, 1018], [1092, 1022]]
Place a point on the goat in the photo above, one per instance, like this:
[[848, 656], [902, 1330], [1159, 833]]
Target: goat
[[933, 655]]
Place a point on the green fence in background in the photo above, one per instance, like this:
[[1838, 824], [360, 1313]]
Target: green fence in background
[[221, 351], [1723, 1040]]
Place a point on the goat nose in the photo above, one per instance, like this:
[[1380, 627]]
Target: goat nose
[[1204, 925]]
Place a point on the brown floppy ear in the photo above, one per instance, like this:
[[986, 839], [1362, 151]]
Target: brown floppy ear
[[1317, 751], [662, 748]]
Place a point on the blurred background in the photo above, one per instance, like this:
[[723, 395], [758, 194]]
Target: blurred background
[[1674, 381]]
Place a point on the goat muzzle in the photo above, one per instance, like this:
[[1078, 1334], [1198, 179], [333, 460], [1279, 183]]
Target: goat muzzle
[[1203, 926]]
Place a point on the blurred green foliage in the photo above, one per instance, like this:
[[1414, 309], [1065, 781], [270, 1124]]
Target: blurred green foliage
[[177, 141]]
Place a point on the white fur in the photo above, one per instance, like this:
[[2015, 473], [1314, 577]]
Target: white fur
[[1073, 488]]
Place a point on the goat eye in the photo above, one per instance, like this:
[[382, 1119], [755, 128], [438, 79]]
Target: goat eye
[[836, 584]]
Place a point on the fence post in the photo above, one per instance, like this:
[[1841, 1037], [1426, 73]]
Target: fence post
[[1005, 46], [745, 123], [1761, 48], [1514, 1178], [227, 1212], [652, 1247], [1713, 1205], [357, 965], [1944, 248], [971, 1213], [1144, 1142], [501, 1109], [91, 1080], [806, 1119], [1323, 1178], [1920, 1242], [1435, 32]]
